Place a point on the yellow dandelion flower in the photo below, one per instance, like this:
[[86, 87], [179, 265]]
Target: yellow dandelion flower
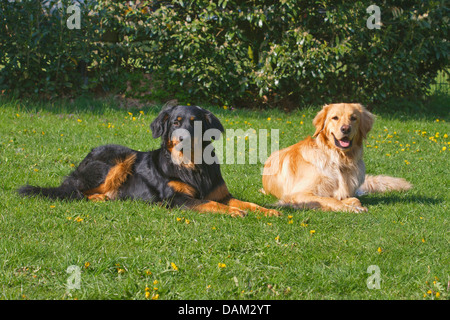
[[147, 294], [120, 271], [187, 221], [141, 112], [155, 297], [87, 264], [438, 294], [423, 240], [155, 282], [429, 292], [148, 272], [277, 238], [174, 266], [445, 136], [444, 148], [312, 231], [379, 250], [79, 120], [290, 222], [221, 265], [290, 217]]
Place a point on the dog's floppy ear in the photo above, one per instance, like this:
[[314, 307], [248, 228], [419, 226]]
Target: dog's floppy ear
[[319, 120], [212, 122], [366, 122], [159, 125]]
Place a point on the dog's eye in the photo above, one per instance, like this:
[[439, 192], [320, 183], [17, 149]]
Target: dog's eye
[[353, 118], [335, 118]]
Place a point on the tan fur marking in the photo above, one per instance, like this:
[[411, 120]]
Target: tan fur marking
[[178, 156], [182, 187], [116, 176], [244, 205], [216, 207], [219, 193]]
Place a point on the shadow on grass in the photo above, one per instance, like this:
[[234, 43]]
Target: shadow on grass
[[387, 199], [429, 108], [433, 107]]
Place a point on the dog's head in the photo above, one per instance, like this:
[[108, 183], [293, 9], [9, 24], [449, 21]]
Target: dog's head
[[343, 125], [183, 128]]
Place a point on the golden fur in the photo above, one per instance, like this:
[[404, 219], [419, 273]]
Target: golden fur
[[326, 170]]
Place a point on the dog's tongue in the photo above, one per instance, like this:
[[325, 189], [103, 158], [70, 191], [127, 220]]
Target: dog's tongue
[[345, 143]]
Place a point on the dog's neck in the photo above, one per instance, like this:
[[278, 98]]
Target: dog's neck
[[202, 176]]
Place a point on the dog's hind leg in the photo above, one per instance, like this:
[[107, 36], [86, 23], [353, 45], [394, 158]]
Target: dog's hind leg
[[116, 176]]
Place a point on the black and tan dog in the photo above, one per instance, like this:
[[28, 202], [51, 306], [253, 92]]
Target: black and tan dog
[[116, 172]]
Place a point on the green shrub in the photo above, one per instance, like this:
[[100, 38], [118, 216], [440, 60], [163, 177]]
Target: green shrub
[[282, 53]]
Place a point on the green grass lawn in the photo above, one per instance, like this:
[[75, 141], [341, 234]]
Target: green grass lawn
[[130, 250]]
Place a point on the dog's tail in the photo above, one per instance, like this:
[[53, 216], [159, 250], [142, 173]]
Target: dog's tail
[[64, 191], [382, 183]]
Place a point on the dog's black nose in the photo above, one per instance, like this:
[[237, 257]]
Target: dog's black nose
[[345, 129]]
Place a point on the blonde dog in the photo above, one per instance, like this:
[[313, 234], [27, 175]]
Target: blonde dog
[[326, 171]]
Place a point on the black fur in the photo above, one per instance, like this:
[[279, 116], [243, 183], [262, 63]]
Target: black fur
[[152, 171]]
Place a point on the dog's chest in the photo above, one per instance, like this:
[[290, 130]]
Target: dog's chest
[[341, 181]]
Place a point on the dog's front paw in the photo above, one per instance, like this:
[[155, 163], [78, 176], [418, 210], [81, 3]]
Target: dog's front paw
[[354, 205], [360, 209], [355, 209], [236, 212], [352, 202], [272, 213]]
